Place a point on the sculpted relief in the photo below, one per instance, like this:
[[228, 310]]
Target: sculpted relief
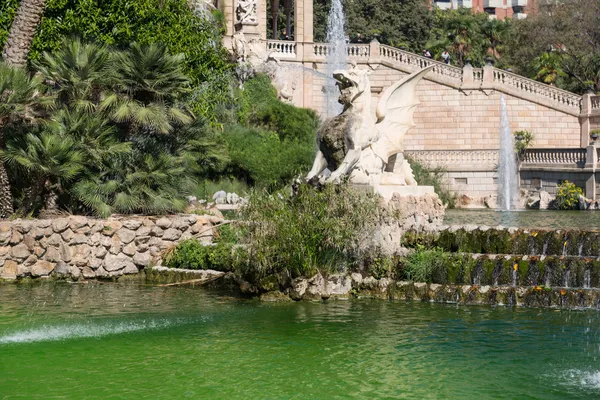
[[245, 12]]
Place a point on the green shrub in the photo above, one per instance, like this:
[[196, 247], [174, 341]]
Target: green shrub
[[191, 254], [315, 230], [567, 197], [523, 140], [433, 177], [424, 264]]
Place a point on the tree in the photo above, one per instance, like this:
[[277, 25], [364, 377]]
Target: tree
[[22, 100], [570, 29], [392, 22], [22, 31]]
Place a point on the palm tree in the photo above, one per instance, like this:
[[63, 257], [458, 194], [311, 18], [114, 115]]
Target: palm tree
[[495, 32], [22, 31], [50, 162], [549, 67], [22, 100], [151, 83], [79, 72]]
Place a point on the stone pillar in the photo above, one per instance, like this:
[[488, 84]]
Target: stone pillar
[[591, 160], [374, 50], [467, 76], [303, 20], [584, 118], [274, 18], [288, 21]]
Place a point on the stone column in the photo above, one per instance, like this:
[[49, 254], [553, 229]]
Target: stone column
[[584, 118], [288, 16], [303, 19], [274, 16], [374, 51]]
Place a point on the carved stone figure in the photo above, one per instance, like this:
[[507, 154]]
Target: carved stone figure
[[245, 12], [239, 47], [367, 148]]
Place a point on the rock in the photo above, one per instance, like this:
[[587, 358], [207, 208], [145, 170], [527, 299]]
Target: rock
[[463, 201], [95, 239], [16, 237], [233, 198], [221, 194], [88, 273], [54, 240], [4, 250], [356, 278], [491, 202], [37, 233], [95, 263], [100, 252], [316, 288], [126, 235], [171, 234], [60, 225], [156, 231], [116, 262], [75, 272], [130, 269], [274, 296], [23, 226], [115, 245], [533, 201], [77, 222], [142, 259], [132, 224], [9, 270], [130, 249], [5, 232], [29, 241], [20, 252], [65, 252], [32, 259], [545, 200], [23, 270], [42, 268], [339, 284], [142, 240], [79, 239], [144, 231], [164, 223], [111, 227], [61, 268], [299, 286], [52, 254], [67, 235], [101, 273]]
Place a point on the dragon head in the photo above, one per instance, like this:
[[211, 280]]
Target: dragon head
[[352, 83]]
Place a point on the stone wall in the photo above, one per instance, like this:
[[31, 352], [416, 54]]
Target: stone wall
[[84, 248]]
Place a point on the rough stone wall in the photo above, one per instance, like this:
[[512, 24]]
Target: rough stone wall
[[450, 119], [81, 247]]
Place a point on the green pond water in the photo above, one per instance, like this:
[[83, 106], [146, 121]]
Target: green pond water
[[108, 341], [544, 219]]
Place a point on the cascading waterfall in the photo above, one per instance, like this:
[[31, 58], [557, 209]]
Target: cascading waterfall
[[337, 55], [507, 164]]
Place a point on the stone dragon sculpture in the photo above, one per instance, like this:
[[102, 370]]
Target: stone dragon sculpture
[[367, 148]]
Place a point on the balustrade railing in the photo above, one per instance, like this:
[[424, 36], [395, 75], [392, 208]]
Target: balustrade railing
[[412, 59], [536, 88], [563, 157], [354, 50], [282, 48], [595, 100], [454, 157]]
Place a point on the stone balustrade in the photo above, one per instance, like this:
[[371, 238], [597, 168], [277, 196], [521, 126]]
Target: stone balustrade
[[282, 48], [563, 157], [595, 103], [526, 85], [84, 248], [454, 158]]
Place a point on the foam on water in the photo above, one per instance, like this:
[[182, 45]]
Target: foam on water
[[582, 379], [93, 329]]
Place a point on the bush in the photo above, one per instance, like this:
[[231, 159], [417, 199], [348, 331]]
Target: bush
[[424, 264], [315, 230], [433, 177], [567, 197], [191, 254]]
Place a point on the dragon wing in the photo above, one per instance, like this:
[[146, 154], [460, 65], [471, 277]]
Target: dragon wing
[[395, 114]]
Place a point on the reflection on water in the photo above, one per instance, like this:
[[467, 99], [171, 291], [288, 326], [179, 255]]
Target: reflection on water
[[547, 219], [100, 341]]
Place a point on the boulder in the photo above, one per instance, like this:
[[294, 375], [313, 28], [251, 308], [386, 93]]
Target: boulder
[[339, 285], [75, 272], [533, 202], [164, 223], [299, 286], [126, 235], [52, 254], [88, 273], [60, 225], [77, 222], [61, 268], [116, 262], [16, 237], [171, 234], [20, 252], [132, 224], [9, 270], [221, 194], [130, 249], [491, 202], [42, 268], [545, 200], [142, 259]]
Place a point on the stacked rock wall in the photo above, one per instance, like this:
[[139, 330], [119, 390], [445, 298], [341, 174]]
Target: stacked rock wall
[[83, 247]]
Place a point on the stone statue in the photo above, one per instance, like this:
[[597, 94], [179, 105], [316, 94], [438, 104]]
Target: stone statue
[[239, 47], [366, 148], [245, 12]]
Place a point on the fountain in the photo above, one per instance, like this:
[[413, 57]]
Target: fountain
[[507, 164], [337, 55]]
